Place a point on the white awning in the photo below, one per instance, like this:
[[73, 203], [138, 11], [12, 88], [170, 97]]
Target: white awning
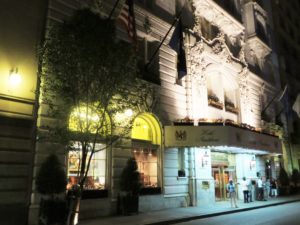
[[229, 138]]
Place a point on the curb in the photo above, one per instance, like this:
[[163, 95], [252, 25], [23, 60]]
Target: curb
[[186, 219]]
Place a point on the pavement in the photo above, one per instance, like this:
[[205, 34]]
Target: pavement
[[178, 215]]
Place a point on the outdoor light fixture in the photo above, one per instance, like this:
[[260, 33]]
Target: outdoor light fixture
[[128, 112], [252, 163], [14, 77], [205, 159]]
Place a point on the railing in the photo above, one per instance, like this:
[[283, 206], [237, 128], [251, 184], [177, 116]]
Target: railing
[[229, 6]]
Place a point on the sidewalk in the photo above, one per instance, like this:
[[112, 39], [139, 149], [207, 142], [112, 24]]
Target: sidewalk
[[171, 216]]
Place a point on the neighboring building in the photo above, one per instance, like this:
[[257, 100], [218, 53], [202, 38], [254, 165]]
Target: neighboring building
[[287, 26], [206, 128], [22, 25]]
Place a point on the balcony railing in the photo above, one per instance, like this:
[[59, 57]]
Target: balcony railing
[[228, 5]]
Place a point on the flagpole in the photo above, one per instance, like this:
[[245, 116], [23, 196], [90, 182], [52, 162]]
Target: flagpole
[[272, 100], [157, 49], [160, 44], [113, 9]]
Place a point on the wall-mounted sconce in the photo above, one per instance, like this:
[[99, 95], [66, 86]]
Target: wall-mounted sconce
[[252, 163], [14, 77], [128, 112], [205, 158]]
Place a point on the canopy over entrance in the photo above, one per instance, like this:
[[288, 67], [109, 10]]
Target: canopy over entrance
[[222, 138]]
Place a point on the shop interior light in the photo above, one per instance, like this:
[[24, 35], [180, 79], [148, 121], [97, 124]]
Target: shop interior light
[[14, 77], [128, 112]]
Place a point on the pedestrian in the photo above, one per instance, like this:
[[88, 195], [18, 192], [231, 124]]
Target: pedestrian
[[267, 188], [232, 193], [274, 188], [244, 185], [260, 196], [250, 189]]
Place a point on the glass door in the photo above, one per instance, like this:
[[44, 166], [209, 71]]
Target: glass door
[[221, 177]]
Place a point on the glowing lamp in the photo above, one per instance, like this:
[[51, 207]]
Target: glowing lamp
[[14, 77], [128, 112]]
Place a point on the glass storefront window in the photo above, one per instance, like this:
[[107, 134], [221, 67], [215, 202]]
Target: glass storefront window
[[147, 165], [96, 176]]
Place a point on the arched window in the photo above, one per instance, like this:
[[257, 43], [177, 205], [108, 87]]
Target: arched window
[[88, 120], [146, 141]]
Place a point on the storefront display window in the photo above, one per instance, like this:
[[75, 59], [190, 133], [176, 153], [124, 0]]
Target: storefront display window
[[147, 165], [96, 175]]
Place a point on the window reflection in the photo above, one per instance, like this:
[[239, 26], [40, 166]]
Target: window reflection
[[147, 165], [96, 175]]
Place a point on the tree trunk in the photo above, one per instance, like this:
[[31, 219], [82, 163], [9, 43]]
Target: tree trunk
[[73, 214]]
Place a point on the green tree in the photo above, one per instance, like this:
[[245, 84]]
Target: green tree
[[283, 177], [51, 178], [130, 178], [88, 81], [130, 186], [51, 183]]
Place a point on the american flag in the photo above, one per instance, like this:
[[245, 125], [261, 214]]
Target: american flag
[[126, 19]]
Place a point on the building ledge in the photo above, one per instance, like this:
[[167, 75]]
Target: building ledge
[[218, 16]]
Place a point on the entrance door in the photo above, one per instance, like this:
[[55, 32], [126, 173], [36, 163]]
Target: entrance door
[[221, 176]]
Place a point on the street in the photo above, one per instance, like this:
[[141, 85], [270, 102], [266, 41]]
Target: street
[[287, 214]]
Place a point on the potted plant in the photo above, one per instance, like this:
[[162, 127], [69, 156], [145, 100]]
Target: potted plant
[[230, 107], [130, 186], [295, 178], [284, 182], [184, 122], [214, 101], [51, 184]]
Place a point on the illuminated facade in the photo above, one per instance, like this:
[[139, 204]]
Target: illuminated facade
[[205, 129], [21, 33]]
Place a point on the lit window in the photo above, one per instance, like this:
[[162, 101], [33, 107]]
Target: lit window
[[96, 174], [181, 162], [147, 165]]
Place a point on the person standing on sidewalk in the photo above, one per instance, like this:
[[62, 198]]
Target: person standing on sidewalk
[[244, 184], [250, 191], [267, 189], [232, 193], [260, 188], [273, 188]]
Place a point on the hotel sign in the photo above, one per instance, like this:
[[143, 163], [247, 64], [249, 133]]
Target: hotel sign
[[198, 136]]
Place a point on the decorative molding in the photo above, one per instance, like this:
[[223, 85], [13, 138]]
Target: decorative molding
[[243, 85], [198, 63], [260, 49], [218, 17]]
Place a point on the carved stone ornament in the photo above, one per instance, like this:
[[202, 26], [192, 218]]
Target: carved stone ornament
[[197, 27], [243, 84], [198, 63], [260, 49], [217, 16], [220, 48]]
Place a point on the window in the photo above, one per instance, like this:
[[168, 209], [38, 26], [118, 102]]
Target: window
[[215, 93], [146, 159], [230, 101], [148, 62], [181, 163], [208, 30], [146, 137], [96, 175]]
